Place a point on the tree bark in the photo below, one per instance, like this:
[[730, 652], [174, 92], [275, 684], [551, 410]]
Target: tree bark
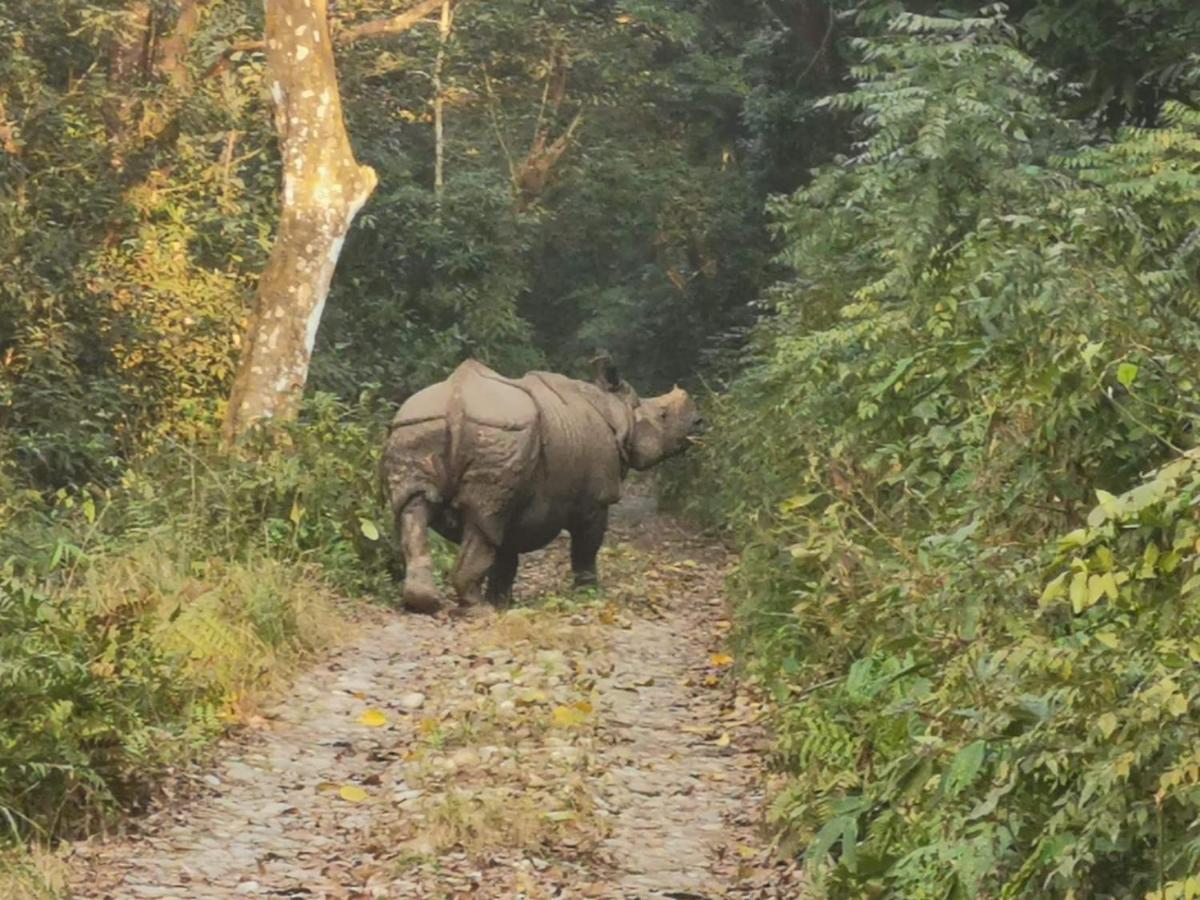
[[439, 102], [170, 56], [323, 189]]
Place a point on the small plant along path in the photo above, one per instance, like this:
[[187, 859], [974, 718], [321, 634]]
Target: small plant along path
[[574, 746]]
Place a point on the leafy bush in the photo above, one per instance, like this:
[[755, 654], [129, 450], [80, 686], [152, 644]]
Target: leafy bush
[[992, 313], [137, 621], [123, 669]]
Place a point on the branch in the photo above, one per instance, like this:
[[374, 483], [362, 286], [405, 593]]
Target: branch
[[405, 21], [170, 55], [494, 116], [228, 52], [398, 24]]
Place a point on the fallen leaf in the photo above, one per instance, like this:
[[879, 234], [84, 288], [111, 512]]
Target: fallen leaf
[[559, 815], [328, 787], [711, 680], [723, 740], [353, 793], [373, 718], [721, 660], [567, 716]]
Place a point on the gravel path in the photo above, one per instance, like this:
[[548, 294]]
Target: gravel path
[[575, 746]]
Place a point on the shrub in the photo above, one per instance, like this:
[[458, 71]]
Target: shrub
[[991, 315], [138, 621]]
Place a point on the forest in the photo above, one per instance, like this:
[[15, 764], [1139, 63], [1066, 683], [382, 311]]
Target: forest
[[932, 271]]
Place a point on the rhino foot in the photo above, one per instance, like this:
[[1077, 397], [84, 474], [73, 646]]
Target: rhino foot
[[420, 593]]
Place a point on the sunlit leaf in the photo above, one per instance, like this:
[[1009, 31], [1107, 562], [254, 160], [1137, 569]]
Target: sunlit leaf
[[373, 718]]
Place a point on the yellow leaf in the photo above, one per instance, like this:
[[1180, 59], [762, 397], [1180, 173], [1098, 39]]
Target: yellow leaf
[[428, 725], [720, 660], [584, 707], [567, 716], [1122, 764], [1107, 724], [352, 793], [1108, 639], [711, 680], [529, 697], [1177, 705], [723, 740], [746, 852], [372, 718]]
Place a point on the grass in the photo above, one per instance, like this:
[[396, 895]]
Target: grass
[[32, 873], [124, 669]]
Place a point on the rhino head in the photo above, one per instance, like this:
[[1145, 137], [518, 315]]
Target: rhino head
[[663, 426]]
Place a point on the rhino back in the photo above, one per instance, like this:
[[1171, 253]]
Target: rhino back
[[582, 430], [471, 441]]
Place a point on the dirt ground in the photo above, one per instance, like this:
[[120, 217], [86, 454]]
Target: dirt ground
[[579, 745]]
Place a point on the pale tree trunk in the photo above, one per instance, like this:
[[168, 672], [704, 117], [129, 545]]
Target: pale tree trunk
[[439, 102], [323, 189]]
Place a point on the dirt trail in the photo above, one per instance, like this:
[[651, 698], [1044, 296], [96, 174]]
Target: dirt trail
[[572, 747]]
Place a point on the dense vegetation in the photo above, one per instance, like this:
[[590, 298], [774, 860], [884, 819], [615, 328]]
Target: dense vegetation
[[941, 264], [593, 196], [972, 602]]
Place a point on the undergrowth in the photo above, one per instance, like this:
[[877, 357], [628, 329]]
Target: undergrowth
[[985, 682], [139, 620]]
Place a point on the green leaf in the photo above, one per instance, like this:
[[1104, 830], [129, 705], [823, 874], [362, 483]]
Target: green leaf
[[1126, 373], [1055, 590], [369, 529], [1079, 592], [963, 768]]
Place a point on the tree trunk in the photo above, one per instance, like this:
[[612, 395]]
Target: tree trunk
[[439, 103], [323, 189]]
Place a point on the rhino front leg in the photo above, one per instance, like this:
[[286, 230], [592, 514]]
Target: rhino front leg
[[420, 593], [586, 537], [501, 577], [474, 561]]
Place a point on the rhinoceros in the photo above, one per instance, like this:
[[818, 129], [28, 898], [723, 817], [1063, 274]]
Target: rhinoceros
[[502, 466]]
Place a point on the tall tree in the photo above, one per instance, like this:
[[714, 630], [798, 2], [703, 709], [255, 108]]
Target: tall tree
[[323, 189]]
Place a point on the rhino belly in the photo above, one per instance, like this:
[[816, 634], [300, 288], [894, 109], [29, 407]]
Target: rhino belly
[[536, 524]]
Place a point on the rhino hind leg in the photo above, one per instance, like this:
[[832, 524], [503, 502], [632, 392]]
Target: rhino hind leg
[[587, 535], [501, 577], [420, 592], [474, 561]]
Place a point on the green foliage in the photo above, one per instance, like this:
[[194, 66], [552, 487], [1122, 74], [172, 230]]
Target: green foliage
[[114, 667], [137, 621], [991, 315]]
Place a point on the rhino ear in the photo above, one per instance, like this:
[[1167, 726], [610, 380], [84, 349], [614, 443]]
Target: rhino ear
[[605, 374]]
